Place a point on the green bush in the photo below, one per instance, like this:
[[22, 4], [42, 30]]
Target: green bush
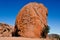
[[45, 31]]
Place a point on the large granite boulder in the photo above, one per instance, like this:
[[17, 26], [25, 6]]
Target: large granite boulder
[[5, 30], [31, 20]]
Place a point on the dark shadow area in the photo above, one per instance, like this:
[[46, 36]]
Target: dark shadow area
[[15, 33], [45, 31]]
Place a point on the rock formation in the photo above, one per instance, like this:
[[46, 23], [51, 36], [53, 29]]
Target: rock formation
[[53, 37], [31, 20], [5, 30]]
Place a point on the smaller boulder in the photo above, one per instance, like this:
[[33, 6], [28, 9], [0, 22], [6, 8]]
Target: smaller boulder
[[5, 30]]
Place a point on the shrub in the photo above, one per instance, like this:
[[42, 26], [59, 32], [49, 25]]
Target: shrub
[[45, 31]]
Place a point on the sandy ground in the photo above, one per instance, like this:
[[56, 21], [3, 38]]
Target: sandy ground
[[20, 38]]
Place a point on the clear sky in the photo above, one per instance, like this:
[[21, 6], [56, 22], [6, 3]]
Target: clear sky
[[10, 8]]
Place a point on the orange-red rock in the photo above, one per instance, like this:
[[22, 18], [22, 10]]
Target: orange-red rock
[[30, 20]]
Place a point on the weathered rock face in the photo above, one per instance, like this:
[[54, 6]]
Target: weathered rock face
[[5, 30], [31, 20]]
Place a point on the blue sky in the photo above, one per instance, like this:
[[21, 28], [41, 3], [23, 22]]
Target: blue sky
[[10, 8]]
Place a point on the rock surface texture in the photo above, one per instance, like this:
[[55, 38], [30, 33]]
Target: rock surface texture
[[5, 30], [31, 20]]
